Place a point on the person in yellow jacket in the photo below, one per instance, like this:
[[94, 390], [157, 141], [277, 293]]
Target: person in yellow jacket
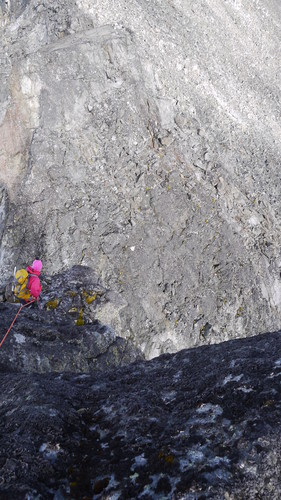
[[28, 285]]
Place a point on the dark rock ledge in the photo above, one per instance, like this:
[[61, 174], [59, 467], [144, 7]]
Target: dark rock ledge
[[202, 423], [65, 334]]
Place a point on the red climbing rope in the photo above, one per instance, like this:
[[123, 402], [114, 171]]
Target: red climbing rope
[[24, 305]]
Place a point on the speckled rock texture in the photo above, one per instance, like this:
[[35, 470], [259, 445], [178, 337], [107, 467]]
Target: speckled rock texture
[[200, 424], [65, 334], [142, 138]]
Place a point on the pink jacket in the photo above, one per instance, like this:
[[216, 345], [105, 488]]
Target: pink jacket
[[34, 285]]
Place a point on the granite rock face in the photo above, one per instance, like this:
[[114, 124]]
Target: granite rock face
[[142, 139], [199, 424], [65, 334]]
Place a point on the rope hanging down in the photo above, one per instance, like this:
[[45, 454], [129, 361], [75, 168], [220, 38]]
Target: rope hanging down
[[24, 305]]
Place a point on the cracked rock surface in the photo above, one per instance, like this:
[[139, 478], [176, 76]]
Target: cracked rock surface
[[142, 139], [202, 423]]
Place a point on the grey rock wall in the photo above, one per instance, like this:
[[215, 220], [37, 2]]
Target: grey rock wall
[[143, 139]]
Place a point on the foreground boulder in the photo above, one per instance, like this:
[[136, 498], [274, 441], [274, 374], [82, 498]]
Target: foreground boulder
[[201, 423]]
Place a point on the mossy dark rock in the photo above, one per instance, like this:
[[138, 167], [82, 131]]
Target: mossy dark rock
[[64, 335]]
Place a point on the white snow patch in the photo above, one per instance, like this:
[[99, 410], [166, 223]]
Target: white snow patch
[[232, 378], [276, 293], [226, 422], [274, 375], [140, 461], [208, 414], [108, 409], [53, 412], [20, 339], [209, 408], [81, 377], [134, 477], [254, 220], [102, 433], [244, 389], [149, 488], [217, 475], [168, 396], [218, 461], [112, 484], [50, 451], [104, 446], [177, 376], [194, 456]]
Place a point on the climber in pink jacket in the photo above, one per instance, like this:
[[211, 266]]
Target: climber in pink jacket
[[34, 285]]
